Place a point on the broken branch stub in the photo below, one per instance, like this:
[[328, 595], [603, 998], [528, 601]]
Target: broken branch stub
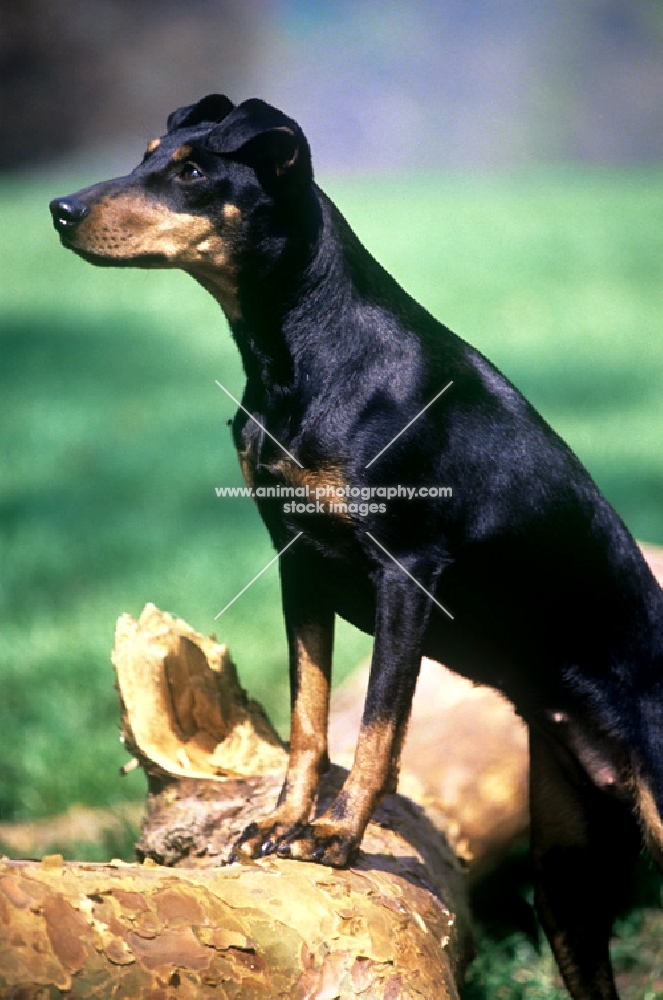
[[184, 712]]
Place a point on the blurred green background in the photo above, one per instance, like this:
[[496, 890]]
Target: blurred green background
[[532, 225]]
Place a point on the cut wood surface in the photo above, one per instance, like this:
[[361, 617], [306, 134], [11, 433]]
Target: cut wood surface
[[394, 925]]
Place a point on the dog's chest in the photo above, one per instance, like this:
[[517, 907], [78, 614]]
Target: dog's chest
[[288, 487], [322, 479]]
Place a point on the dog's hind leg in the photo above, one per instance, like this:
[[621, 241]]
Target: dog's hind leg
[[648, 774], [584, 845]]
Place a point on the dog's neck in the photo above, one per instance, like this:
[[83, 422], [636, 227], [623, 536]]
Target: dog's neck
[[270, 300], [222, 286]]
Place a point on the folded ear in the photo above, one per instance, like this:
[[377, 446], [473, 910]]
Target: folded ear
[[213, 108], [267, 140]]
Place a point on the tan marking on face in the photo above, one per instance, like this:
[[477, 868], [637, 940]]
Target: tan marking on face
[[221, 285], [126, 226], [231, 213], [219, 278], [130, 225], [183, 153], [153, 145]]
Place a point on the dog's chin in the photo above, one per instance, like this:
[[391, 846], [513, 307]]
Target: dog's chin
[[151, 260]]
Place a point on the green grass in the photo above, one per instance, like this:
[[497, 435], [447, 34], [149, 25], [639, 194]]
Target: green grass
[[113, 433], [515, 962]]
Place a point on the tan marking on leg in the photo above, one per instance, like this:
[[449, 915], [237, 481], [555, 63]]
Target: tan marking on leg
[[374, 773], [337, 833], [650, 820], [309, 721], [308, 740], [376, 757], [311, 708]]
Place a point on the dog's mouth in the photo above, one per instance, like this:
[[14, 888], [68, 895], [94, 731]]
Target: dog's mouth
[[99, 259]]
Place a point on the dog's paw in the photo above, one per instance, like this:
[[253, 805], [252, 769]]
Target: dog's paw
[[261, 839], [325, 842]]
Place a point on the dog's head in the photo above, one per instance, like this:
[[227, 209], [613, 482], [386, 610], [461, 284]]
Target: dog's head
[[224, 181]]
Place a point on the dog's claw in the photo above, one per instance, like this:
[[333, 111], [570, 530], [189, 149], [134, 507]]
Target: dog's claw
[[318, 842], [252, 830], [260, 840], [322, 841]]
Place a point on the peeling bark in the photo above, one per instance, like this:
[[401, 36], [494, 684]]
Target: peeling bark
[[266, 930]]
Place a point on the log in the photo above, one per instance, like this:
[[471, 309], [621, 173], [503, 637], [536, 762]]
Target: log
[[264, 930], [185, 924]]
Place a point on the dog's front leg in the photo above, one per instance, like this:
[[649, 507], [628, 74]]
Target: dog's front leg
[[401, 617], [309, 621]]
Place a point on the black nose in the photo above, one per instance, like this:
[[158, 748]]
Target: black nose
[[67, 213]]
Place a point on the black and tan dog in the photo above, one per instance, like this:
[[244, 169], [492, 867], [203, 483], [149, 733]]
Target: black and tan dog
[[551, 600]]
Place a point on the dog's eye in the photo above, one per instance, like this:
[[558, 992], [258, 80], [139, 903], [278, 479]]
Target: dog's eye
[[190, 172]]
